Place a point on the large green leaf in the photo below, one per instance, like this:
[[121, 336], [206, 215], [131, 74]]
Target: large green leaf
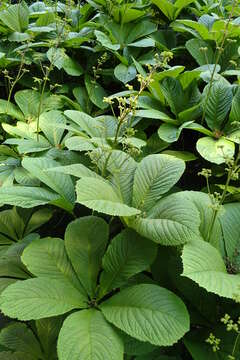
[[216, 151], [230, 222], [235, 109], [86, 335], [194, 46], [99, 195], [16, 17], [148, 313], [203, 264], [96, 92], [49, 124], [10, 109], [85, 240], [61, 183], [127, 255], [40, 297], [173, 221], [122, 168], [155, 175], [218, 104], [27, 196], [48, 258]]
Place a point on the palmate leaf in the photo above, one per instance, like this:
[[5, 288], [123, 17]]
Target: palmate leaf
[[18, 337], [148, 313], [127, 255], [85, 240], [155, 175], [37, 298], [48, 258], [203, 264], [86, 335], [173, 221], [99, 195]]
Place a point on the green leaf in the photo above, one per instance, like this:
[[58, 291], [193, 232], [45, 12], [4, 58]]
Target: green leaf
[[48, 330], [86, 335], [183, 155], [125, 73], [155, 114], [173, 221], [26, 196], [218, 104], [127, 255], [122, 168], [235, 109], [57, 57], [10, 109], [60, 183], [49, 124], [203, 264], [48, 258], [194, 47], [105, 41], [72, 67], [99, 195], [18, 337], [96, 92], [229, 220], [148, 313], [166, 7], [86, 240], [215, 150], [155, 175], [38, 298], [16, 17]]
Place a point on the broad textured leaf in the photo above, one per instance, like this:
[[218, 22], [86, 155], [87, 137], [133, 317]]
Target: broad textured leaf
[[85, 240], [99, 195], [38, 298], [202, 57], [148, 313], [166, 7], [16, 17], [48, 258], [235, 109], [122, 168], [96, 92], [215, 150], [49, 124], [10, 109], [218, 104], [105, 41], [203, 203], [174, 220], [18, 337], [48, 330], [155, 175], [203, 264], [155, 114], [86, 335], [61, 183], [125, 73], [77, 170], [27, 196], [229, 220], [127, 255]]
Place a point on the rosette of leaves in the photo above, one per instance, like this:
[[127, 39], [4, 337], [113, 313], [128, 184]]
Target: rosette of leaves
[[62, 284], [135, 192]]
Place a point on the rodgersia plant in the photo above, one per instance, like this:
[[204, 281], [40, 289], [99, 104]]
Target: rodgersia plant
[[111, 245]]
